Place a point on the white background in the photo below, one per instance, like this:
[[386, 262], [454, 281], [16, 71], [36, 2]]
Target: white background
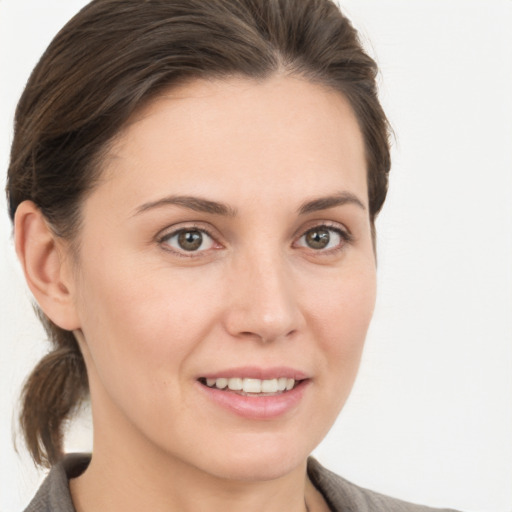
[[430, 418]]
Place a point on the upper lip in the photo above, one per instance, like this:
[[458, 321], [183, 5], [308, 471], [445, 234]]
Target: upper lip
[[254, 372]]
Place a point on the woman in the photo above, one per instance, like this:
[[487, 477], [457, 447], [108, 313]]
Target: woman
[[194, 187]]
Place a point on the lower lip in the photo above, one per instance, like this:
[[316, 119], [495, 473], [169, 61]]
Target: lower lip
[[257, 407]]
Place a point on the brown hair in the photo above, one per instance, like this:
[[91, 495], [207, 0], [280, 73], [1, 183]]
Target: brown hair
[[109, 60]]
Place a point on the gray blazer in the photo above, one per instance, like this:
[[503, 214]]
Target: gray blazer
[[340, 495]]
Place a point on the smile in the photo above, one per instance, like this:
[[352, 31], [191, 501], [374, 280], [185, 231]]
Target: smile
[[249, 386], [252, 398]]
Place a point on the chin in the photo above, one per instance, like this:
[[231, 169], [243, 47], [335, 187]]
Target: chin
[[258, 469], [255, 460]]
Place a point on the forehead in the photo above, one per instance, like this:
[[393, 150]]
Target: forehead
[[241, 133]]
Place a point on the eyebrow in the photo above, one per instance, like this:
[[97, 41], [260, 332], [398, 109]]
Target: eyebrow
[[324, 203], [199, 204], [196, 204]]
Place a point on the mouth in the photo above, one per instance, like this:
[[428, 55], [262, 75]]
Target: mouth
[[256, 393], [245, 386]]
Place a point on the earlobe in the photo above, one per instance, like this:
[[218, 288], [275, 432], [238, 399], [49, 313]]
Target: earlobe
[[45, 265]]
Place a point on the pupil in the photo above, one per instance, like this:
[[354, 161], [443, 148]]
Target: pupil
[[318, 238], [190, 240]]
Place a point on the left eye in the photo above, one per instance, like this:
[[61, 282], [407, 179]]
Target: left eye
[[189, 240], [322, 238]]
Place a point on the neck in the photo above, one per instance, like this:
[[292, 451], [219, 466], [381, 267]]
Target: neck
[[104, 487], [140, 479]]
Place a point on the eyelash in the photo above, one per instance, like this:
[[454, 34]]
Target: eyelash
[[164, 241], [345, 236]]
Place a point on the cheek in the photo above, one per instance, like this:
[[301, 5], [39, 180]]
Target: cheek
[[149, 317], [140, 335], [342, 314]]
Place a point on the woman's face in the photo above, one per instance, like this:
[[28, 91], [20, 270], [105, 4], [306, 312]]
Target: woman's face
[[228, 243]]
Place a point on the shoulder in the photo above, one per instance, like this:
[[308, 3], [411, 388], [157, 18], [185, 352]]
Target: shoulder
[[54, 495], [344, 496]]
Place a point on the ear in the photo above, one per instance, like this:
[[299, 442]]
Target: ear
[[46, 265]]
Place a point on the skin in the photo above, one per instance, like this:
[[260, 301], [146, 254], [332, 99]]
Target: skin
[[151, 318]]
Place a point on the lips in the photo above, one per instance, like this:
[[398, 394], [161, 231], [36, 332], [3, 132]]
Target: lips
[[255, 393]]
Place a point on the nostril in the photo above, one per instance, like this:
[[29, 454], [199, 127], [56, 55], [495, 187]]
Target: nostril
[[266, 337]]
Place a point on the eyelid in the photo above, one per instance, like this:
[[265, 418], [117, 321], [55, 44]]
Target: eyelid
[[339, 228], [173, 230], [319, 223]]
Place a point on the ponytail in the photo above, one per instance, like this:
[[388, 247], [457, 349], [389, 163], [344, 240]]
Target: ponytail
[[53, 391]]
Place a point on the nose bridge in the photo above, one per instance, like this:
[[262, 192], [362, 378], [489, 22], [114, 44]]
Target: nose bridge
[[263, 303]]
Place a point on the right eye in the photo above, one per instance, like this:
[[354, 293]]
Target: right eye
[[189, 240]]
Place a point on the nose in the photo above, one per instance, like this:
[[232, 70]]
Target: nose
[[263, 300]]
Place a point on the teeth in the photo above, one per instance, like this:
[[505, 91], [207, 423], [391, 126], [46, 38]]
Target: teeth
[[221, 383], [252, 385], [269, 386], [281, 383], [235, 384]]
